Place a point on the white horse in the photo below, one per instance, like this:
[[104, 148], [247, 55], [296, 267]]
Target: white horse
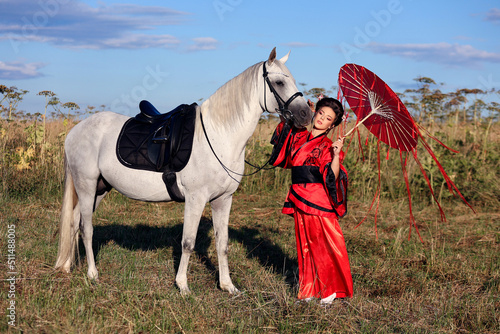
[[229, 116]]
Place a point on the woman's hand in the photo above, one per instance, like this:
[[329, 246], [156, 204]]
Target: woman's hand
[[311, 105], [337, 146]]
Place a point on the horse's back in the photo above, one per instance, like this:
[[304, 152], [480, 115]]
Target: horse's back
[[97, 126], [84, 142]]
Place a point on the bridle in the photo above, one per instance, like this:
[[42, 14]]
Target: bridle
[[282, 105], [283, 111]]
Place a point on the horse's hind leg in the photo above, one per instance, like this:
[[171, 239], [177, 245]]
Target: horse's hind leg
[[87, 233], [94, 192], [221, 208], [193, 210], [87, 201]]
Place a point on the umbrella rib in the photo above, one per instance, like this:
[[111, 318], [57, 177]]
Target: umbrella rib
[[389, 135], [358, 99], [394, 137], [403, 142], [359, 86], [400, 116], [379, 107], [401, 130], [361, 89], [360, 106], [397, 132], [355, 83], [354, 97], [405, 130], [397, 127]]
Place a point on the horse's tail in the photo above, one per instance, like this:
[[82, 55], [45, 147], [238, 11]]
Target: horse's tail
[[68, 234]]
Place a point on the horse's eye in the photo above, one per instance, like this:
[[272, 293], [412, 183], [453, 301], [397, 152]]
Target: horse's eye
[[280, 83]]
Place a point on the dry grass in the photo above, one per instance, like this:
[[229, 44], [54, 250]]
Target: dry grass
[[451, 283], [448, 284]]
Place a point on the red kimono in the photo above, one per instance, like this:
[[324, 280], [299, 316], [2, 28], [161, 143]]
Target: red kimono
[[316, 200]]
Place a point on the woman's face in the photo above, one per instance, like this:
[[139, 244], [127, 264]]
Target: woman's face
[[324, 118]]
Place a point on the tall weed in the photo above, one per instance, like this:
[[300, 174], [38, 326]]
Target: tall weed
[[474, 169], [30, 167], [450, 283]]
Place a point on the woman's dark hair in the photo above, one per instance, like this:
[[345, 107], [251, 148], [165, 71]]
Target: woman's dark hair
[[335, 105]]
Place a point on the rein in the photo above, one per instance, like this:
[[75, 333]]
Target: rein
[[227, 169], [282, 109]]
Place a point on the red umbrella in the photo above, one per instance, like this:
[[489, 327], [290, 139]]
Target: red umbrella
[[382, 112]]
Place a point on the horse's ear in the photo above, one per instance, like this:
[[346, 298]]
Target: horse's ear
[[272, 57], [285, 58]]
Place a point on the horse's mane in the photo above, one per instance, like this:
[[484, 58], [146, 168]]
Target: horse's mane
[[225, 105]]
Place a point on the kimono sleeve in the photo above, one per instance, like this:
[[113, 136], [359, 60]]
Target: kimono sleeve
[[281, 141], [337, 187]]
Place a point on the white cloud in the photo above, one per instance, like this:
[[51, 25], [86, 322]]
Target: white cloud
[[203, 43], [134, 41], [299, 45], [443, 53], [493, 15], [17, 70], [75, 24]]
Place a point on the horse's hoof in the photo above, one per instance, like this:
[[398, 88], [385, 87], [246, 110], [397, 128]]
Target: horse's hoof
[[93, 275], [183, 288], [231, 289], [235, 292], [65, 267], [185, 292]]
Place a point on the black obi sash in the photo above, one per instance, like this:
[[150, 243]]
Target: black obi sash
[[306, 174]]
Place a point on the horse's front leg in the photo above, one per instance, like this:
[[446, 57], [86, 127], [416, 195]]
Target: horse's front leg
[[193, 209], [221, 208]]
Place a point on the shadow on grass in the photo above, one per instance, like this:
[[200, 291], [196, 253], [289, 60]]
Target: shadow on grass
[[144, 237], [266, 252]]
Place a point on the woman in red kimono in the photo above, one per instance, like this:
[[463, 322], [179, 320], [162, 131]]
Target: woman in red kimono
[[317, 198]]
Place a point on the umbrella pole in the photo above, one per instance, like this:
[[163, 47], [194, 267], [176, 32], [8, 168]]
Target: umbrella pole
[[359, 123]]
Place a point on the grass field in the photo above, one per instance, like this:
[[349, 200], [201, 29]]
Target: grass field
[[450, 283]]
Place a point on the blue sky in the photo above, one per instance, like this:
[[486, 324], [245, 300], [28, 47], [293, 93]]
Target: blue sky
[[116, 53]]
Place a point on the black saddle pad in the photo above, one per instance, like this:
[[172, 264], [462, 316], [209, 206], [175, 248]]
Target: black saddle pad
[[157, 142]]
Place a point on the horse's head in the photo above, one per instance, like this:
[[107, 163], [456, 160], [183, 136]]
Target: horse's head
[[281, 93]]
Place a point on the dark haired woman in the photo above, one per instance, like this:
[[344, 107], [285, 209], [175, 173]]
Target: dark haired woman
[[316, 199]]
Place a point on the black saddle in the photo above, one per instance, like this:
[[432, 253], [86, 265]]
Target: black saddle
[[158, 142]]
